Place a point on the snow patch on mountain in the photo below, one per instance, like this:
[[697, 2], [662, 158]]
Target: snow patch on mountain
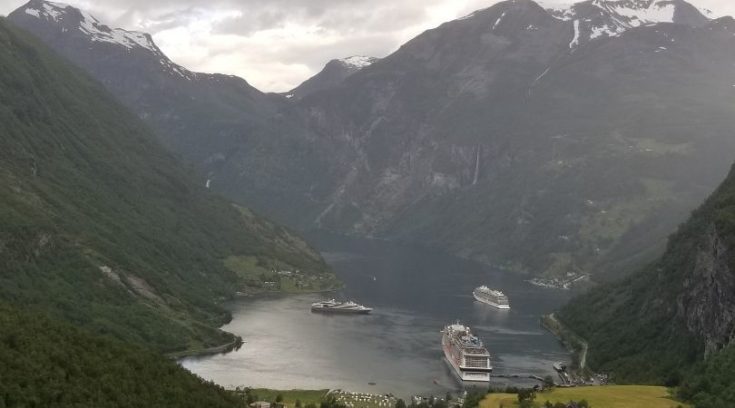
[[53, 10], [610, 18], [358, 61], [69, 18], [627, 13], [88, 24], [575, 40], [636, 12], [605, 30], [499, 20]]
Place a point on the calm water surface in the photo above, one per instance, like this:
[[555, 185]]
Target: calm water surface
[[415, 292]]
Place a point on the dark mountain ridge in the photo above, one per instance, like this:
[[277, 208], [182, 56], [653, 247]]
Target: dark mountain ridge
[[513, 128], [228, 129]]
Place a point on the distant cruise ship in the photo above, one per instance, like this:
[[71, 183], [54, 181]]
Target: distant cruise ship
[[491, 297], [468, 358], [333, 306]]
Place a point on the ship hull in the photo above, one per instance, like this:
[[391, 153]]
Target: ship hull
[[328, 310], [488, 302]]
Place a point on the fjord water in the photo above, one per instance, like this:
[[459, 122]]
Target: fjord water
[[415, 291]]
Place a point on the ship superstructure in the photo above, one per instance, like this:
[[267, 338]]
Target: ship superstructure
[[465, 353], [491, 297], [333, 306]]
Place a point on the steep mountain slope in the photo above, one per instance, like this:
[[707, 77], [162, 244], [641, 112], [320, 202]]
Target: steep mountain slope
[[582, 136], [103, 227], [654, 325], [232, 132], [333, 74], [498, 135], [131, 64], [51, 364]]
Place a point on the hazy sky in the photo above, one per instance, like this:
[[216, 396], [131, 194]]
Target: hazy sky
[[277, 44]]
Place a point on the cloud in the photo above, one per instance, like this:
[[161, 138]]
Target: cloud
[[277, 44]]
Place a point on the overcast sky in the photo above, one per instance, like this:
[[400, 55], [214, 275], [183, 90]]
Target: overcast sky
[[277, 44]]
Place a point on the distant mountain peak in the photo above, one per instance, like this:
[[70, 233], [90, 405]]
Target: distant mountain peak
[[333, 74], [609, 18], [63, 19], [70, 17], [628, 13], [506, 6]]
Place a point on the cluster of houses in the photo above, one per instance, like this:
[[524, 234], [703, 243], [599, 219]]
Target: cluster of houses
[[357, 400]]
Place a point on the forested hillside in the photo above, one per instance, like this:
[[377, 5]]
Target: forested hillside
[[103, 227], [51, 364], [711, 384], [654, 326]]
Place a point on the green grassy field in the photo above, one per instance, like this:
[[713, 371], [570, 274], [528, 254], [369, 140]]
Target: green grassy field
[[613, 396], [290, 396], [259, 275]]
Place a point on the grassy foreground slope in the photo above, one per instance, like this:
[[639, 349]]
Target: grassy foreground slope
[[614, 396], [101, 226], [51, 364]]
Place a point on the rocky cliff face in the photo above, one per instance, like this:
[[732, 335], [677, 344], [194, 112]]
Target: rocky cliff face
[[707, 302]]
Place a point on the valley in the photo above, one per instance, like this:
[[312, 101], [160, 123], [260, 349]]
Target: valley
[[163, 232], [414, 293]]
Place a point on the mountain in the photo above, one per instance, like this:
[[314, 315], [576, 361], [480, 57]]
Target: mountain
[[234, 134], [333, 74], [131, 64], [531, 139], [654, 325], [502, 138], [103, 227], [47, 363]]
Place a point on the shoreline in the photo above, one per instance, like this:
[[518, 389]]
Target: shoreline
[[223, 348], [238, 341], [575, 344], [245, 295], [560, 284]]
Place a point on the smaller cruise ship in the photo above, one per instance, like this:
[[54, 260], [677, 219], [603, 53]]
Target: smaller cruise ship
[[333, 306], [491, 297]]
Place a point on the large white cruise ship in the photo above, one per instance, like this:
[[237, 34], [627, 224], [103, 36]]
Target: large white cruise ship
[[491, 297], [465, 353]]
